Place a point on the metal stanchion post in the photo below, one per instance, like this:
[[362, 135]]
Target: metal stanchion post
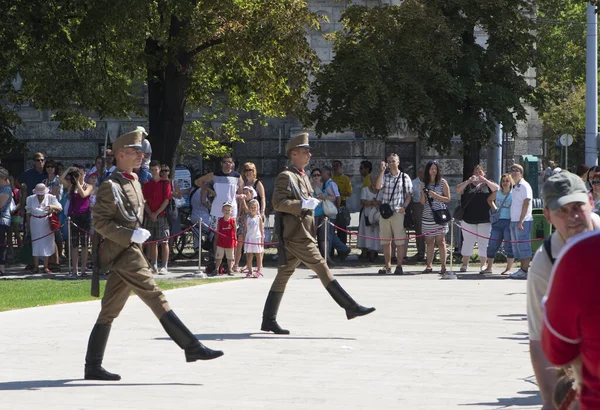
[[452, 246], [325, 230], [69, 247], [199, 247]]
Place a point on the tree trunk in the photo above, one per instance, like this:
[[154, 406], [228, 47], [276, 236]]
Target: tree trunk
[[167, 88], [471, 157]]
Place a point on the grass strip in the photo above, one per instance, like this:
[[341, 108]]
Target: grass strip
[[21, 294]]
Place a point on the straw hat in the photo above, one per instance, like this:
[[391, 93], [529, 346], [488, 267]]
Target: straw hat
[[41, 189]]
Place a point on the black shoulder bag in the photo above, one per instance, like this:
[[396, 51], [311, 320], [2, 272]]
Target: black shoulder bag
[[440, 216], [385, 210]]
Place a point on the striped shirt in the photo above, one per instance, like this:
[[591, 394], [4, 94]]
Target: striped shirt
[[403, 189]]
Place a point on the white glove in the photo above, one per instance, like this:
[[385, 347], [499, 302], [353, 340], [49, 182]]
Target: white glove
[[140, 235], [310, 203]]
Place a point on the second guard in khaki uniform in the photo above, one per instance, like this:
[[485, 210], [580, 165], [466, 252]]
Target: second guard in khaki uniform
[[295, 224], [118, 216]]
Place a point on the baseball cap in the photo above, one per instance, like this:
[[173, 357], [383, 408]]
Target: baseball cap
[[562, 189], [227, 203]]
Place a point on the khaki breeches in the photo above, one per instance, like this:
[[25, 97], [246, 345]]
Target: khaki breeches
[[118, 287], [297, 252]]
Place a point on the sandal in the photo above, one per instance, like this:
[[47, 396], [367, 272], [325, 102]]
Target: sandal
[[428, 270], [506, 272], [249, 275], [257, 274], [486, 272], [47, 271], [443, 271]]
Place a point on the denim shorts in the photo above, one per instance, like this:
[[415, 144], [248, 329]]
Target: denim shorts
[[521, 250]]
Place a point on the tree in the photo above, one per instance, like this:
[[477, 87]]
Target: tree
[[219, 58], [421, 62], [561, 45]]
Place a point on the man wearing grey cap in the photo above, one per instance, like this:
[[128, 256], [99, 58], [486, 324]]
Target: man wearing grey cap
[[295, 224], [568, 206]]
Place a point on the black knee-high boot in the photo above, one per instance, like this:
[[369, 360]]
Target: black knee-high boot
[[194, 350], [95, 354], [343, 299], [269, 322]]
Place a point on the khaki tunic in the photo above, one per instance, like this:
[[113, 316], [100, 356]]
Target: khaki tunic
[[298, 229], [115, 219]]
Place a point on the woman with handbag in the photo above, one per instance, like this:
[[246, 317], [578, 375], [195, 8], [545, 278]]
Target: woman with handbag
[[499, 202], [370, 198], [39, 207], [435, 194], [475, 192]]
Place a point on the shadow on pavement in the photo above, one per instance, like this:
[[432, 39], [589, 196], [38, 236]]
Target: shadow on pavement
[[522, 337], [246, 336], [40, 384], [514, 317], [479, 276], [532, 398]]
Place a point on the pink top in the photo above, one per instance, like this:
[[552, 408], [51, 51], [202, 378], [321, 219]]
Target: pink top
[[79, 205]]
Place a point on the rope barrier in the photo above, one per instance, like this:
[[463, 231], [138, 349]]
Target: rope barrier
[[36, 239], [236, 241], [147, 242], [386, 239], [498, 240]]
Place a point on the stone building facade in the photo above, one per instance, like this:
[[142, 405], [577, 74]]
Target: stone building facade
[[265, 145]]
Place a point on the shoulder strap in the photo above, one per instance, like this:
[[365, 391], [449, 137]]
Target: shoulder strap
[[294, 184], [548, 248], [394, 189]]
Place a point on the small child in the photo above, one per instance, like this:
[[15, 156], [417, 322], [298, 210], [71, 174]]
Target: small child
[[253, 239], [225, 239], [247, 195]]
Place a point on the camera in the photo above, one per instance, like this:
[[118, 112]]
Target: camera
[[426, 190], [73, 176]]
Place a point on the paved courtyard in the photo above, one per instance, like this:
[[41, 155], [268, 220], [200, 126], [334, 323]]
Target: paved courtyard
[[431, 344]]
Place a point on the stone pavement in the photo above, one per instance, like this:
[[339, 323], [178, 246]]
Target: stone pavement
[[431, 344]]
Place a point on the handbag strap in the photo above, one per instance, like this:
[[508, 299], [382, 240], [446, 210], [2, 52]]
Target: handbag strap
[[503, 201], [472, 196]]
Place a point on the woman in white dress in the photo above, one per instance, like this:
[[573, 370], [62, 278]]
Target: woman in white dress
[[370, 198], [39, 206]]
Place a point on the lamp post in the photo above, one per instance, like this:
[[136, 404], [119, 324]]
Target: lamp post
[[591, 88]]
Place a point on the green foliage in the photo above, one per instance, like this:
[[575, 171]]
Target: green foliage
[[224, 56], [419, 62], [21, 294], [561, 45]]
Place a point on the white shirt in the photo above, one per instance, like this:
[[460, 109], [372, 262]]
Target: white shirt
[[538, 278], [520, 193]]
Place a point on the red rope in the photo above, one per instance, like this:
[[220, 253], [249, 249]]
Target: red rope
[[145, 243], [568, 400], [386, 239], [499, 240]]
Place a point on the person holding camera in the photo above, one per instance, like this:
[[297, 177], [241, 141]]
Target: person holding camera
[[397, 188], [79, 212], [435, 194], [475, 192]]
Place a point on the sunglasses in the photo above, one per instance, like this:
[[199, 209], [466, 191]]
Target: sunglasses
[[316, 175], [248, 170], [164, 170], [595, 182], [40, 159], [515, 170]]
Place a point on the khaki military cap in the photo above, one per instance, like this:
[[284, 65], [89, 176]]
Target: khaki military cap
[[299, 141], [132, 139]]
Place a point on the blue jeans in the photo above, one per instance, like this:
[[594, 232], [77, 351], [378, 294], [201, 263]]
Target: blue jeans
[[521, 250], [334, 242], [500, 232]]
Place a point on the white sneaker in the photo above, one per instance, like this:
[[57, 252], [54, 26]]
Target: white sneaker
[[520, 274], [163, 271], [201, 275], [464, 268], [449, 275]]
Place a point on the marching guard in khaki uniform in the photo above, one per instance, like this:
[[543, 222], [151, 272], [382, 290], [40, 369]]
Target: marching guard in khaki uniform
[[295, 224], [118, 216]]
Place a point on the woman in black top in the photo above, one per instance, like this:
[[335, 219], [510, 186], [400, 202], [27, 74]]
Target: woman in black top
[[474, 200]]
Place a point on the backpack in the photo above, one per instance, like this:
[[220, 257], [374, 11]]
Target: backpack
[[548, 248]]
